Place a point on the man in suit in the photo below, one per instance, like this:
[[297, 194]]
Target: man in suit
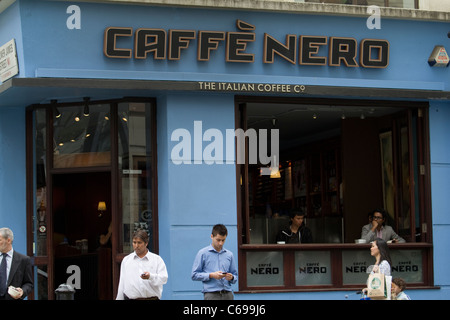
[[15, 269], [378, 229]]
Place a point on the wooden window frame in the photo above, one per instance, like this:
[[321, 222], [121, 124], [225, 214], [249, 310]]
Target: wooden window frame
[[116, 237], [425, 244]]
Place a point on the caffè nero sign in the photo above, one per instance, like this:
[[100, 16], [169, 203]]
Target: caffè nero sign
[[161, 44]]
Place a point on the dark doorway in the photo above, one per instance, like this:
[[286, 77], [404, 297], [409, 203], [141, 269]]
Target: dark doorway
[[77, 228]]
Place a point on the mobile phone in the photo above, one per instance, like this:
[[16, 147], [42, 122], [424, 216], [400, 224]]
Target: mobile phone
[[224, 272]]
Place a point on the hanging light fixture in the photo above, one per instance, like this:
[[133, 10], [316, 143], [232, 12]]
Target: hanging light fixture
[[101, 208], [55, 109], [86, 106]]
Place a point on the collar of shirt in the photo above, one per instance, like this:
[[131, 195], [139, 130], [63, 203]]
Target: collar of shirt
[[380, 232], [135, 256], [8, 261], [211, 248], [9, 253]]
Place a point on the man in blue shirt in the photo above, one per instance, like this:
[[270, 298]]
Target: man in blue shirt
[[215, 267]]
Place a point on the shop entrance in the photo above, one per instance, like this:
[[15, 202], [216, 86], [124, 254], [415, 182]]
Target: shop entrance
[[91, 182], [81, 241]]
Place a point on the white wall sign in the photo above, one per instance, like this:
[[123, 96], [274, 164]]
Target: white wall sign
[[8, 61]]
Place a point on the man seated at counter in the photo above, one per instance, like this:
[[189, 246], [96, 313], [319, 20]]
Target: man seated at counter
[[378, 229], [296, 231]]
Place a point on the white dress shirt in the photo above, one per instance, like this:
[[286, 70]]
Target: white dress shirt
[[132, 285], [8, 262]]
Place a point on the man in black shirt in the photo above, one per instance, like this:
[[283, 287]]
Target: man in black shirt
[[297, 231]]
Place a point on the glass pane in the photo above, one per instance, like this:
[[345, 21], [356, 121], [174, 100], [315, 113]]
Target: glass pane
[[408, 4], [407, 264], [40, 184], [404, 215], [40, 283], [265, 230], [355, 265], [380, 3], [312, 268], [357, 2], [82, 137], [135, 169], [265, 269]]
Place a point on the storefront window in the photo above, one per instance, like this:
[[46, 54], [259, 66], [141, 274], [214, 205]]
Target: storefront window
[[135, 170], [82, 136], [337, 163]]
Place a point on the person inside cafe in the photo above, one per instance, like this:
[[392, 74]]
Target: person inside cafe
[[296, 231], [378, 229]]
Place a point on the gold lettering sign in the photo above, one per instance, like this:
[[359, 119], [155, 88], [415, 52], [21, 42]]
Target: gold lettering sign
[[170, 44], [251, 87]]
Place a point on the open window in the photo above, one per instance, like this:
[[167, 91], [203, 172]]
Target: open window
[[338, 161]]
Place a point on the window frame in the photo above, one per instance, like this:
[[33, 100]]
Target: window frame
[[47, 260], [425, 245]]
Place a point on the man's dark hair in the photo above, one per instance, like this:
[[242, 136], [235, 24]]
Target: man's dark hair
[[141, 234], [219, 229], [296, 212]]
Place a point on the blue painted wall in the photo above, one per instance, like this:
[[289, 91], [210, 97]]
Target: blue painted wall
[[12, 175], [192, 198], [440, 188], [53, 50], [11, 28]]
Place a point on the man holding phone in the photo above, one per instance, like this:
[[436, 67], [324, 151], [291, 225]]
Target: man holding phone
[[215, 267], [142, 273]]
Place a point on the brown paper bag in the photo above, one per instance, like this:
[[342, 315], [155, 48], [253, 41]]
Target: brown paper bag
[[376, 286]]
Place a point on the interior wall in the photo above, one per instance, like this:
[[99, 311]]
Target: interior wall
[[75, 201]]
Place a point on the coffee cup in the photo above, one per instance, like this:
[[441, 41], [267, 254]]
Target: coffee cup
[[13, 292]]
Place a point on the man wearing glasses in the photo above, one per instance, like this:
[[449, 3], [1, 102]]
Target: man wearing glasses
[[378, 229]]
